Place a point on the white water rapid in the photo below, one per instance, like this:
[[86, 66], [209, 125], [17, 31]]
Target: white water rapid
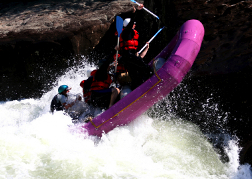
[[34, 144]]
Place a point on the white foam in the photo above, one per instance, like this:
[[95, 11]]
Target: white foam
[[37, 144]]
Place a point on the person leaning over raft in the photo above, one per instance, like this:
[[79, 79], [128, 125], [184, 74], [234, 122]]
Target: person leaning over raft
[[122, 74], [60, 100], [138, 70], [101, 95], [120, 67]]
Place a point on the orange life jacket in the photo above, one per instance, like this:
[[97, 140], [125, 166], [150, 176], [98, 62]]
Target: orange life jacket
[[131, 44], [100, 85]]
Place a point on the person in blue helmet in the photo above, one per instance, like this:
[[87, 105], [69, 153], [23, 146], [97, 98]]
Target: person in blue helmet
[[60, 101]]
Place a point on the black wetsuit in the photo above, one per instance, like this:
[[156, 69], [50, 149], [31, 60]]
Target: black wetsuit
[[56, 105]]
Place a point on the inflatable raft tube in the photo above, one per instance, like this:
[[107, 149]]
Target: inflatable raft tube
[[173, 63]]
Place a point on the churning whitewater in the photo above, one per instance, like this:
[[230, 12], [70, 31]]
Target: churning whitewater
[[37, 144]]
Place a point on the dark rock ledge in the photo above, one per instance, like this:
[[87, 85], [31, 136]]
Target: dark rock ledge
[[37, 39]]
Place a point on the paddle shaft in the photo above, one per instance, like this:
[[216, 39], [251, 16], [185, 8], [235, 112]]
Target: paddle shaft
[[150, 40], [117, 54], [119, 27], [146, 9]]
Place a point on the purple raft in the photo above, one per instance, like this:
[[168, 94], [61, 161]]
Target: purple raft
[[179, 56]]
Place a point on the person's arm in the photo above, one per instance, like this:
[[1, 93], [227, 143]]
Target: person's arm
[[134, 15], [142, 55], [63, 101], [128, 32], [66, 106]]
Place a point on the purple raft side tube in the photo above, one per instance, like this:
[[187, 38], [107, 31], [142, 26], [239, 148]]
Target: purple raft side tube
[[180, 54]]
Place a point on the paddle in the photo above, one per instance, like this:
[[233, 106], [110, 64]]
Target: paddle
[[119, 27], [145, 9], [150, 40]]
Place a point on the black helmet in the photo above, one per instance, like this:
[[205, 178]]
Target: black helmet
[[101, 62]]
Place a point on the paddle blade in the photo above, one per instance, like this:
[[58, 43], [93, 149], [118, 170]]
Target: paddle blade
[[119, 25]]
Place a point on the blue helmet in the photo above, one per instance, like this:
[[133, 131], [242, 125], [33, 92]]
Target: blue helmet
[[62, 88]]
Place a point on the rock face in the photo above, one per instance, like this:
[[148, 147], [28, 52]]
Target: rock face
[[39, 39]]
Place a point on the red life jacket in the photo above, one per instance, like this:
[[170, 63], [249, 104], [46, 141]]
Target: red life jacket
[[131, 44], [87, 90], [120, 69], [93, 72], [100, 85]]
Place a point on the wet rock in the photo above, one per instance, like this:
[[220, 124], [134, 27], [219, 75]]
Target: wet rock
[[40, 39]]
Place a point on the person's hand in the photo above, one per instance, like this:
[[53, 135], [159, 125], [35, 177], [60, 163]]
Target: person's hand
[[148, 45], [114, 63], [140, 7], [117, 48], [78, 97]]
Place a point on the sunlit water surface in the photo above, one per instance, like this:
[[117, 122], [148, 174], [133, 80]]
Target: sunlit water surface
[[36, 144]]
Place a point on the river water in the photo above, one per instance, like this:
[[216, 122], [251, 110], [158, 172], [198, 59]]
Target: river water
[[36, 144]]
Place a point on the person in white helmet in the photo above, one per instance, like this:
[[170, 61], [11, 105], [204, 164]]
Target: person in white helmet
[[138, 70], [129, 36]]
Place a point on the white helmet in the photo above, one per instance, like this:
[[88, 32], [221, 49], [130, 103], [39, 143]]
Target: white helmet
[[126, 22], [89, 73]]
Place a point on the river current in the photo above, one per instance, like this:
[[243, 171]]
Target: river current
[[36, 144]]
